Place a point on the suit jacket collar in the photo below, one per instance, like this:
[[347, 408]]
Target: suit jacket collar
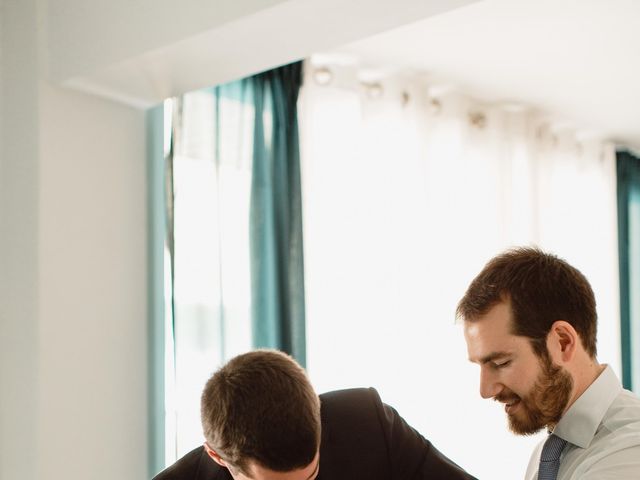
[[209, 470]]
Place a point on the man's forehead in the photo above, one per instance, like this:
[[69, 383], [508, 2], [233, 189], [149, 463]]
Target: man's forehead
[[489, 336]]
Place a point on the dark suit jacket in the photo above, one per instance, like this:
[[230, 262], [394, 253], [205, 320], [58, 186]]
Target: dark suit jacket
[[362, 439]]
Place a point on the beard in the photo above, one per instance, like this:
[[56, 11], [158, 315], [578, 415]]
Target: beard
[[544, 404]]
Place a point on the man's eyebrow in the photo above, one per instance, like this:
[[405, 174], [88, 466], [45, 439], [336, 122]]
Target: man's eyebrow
[[492, 357]]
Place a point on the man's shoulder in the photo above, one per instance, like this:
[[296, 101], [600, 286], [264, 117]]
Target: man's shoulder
[[351, 395], [192, 466], [352, 401], [629, 399], [624, 413], [354, 408]]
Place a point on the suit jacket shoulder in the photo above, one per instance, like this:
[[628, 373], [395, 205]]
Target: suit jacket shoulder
[[365, 438]]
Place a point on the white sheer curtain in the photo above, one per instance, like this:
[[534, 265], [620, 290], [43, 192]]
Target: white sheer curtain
[[212, 180], [407, 193]]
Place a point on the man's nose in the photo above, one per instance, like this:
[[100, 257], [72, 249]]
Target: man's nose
[[489, 385]]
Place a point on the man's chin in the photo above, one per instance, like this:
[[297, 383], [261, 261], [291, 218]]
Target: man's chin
[[519, 426]]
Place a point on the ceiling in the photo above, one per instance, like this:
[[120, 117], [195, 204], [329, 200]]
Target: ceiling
[[576, 60], [166, 48]]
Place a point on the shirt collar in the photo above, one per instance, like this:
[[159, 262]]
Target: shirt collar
[[580, 423]]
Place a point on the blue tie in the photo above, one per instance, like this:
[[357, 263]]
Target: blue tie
[[550, 458]]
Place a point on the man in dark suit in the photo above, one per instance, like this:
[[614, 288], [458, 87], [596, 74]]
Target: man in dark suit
[[262, 420]]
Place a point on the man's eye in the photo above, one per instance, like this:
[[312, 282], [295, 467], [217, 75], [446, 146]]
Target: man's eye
[[501, 364]]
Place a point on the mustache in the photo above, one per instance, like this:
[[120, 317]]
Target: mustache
[[506, 397]]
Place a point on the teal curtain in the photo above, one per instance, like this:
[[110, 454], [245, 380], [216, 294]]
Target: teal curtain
[[628, 179], [278, 314], [157, 228], [232, 210]]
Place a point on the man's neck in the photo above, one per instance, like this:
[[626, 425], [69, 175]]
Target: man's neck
[[585, 373]]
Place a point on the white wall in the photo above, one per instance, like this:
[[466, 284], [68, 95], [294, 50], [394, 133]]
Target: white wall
[[92, 300], [19, 242], [73, 322]]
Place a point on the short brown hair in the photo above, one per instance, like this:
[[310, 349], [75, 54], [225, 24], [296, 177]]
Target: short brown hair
[[541, 289], [261, 407]]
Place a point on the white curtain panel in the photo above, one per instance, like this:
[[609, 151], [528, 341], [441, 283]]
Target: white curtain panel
[[211, 297], [408, 192]]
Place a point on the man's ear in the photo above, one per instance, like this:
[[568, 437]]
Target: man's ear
[[562, 342], [213, 454]]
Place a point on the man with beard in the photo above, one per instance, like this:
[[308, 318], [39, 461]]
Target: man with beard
[[530, 323], [262, 420]]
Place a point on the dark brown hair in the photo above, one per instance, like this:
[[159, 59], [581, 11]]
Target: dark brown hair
[[541, 289], [261, 407]]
